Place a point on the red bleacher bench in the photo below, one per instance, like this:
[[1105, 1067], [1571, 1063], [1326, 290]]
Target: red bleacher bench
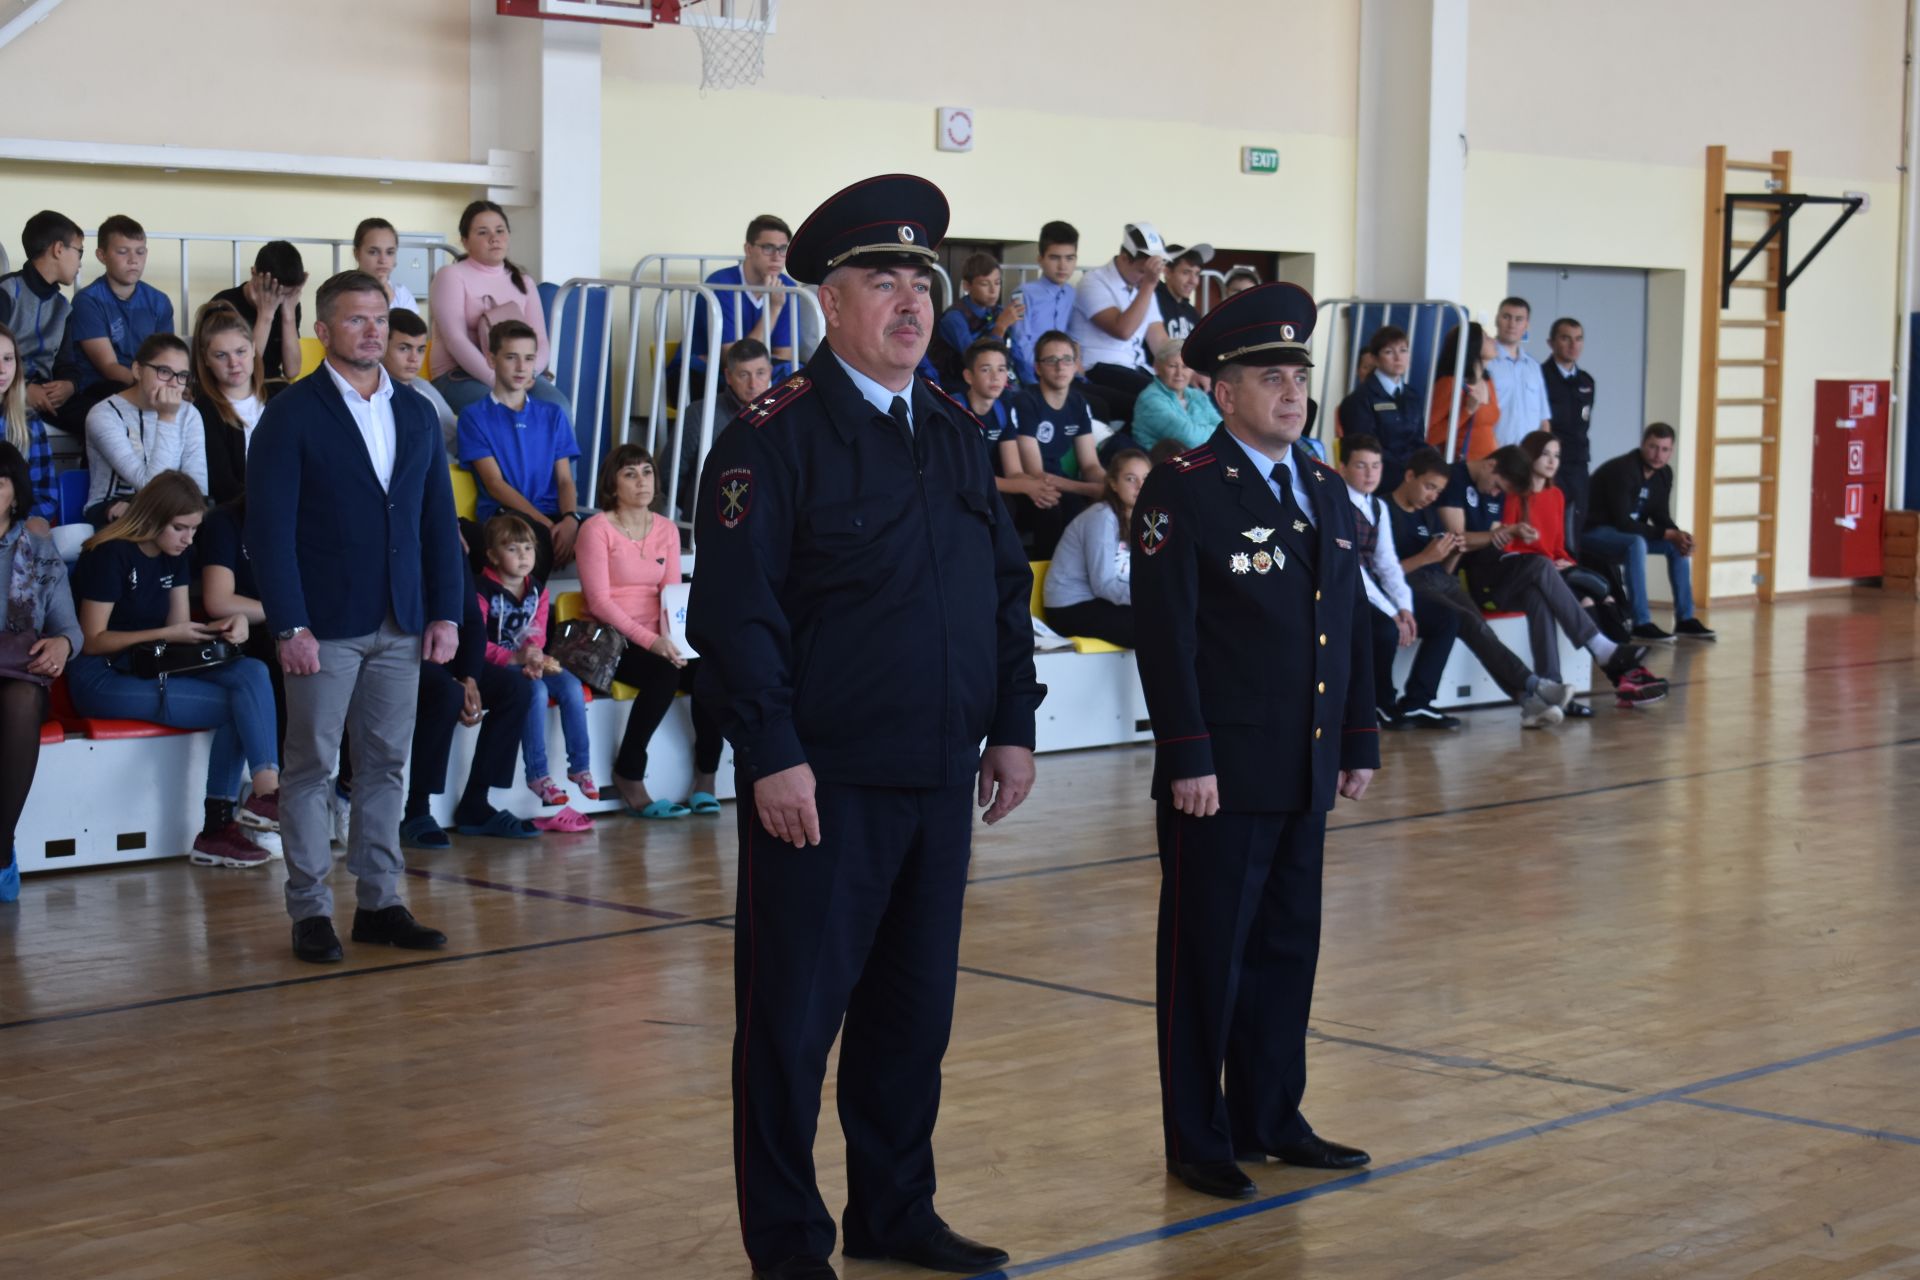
[[98, 728], [52, 732]]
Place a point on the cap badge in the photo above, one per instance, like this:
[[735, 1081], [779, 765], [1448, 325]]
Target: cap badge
[[1286, 332], [906, 235], [1258, 533]]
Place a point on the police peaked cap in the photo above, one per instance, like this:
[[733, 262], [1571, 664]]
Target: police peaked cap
[[1267, 324], [893, 220]]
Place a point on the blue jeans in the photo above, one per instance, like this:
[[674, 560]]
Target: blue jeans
[[565, 689], [235, 701], [1631, 550]]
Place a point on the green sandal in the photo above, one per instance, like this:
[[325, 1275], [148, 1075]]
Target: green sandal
[[704, 803], [659, 809]]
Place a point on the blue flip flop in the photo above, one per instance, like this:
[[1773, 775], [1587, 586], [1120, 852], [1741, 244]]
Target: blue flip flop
[[659, 809], [424, 833], [10, 880], [704, 803], [501, 826]]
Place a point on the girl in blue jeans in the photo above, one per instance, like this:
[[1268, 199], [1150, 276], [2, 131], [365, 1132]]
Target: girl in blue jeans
[[131, 585], [514, 605]]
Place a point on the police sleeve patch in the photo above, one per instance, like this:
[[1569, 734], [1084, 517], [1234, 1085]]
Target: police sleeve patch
[[734, 496], [1155, 526]]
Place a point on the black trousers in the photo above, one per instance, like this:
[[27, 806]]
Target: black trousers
[[508, 699], [1101, 619], [1574, 483], [1121, 385], [865, 927], [658, 681], [1439, 627], [1238, 947]]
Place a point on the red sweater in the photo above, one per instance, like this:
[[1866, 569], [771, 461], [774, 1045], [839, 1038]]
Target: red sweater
[[1547, 512]]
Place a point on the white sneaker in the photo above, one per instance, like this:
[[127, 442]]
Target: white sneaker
[[1537, 713], [1553, 693], [268, 840], [342, 816]]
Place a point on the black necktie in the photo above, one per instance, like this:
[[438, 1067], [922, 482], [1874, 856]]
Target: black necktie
[[898, 412], [1296, 518]]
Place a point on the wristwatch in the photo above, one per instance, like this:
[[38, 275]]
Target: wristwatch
[[288, 634]]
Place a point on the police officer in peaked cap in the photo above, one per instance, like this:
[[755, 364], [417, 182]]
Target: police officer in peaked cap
[[1254, 654], [860, 604]]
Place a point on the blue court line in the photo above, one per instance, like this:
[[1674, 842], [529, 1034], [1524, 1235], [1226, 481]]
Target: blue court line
[[1878, 1135], [1254, 1208]]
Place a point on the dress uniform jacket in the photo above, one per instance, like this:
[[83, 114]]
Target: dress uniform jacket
[[1570, 404], [861, 599], [1255, 654], [1394, 418]]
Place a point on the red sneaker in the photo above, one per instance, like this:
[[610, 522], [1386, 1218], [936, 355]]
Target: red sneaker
[[227, 847], [584, 781], [262, 813], [1640, 688]]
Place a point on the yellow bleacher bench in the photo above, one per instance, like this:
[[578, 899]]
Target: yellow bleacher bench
[[1037, 605]]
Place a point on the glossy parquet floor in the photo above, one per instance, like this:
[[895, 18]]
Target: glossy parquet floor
[[1634, 998]]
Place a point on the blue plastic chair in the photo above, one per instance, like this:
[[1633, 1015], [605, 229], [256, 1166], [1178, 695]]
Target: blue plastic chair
[[73, 496]]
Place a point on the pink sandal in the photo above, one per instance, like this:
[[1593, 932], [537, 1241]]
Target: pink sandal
[[584, 781], [568, 819], [548, 793]]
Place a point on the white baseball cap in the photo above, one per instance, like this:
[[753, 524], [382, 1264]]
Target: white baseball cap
[[1143, 238], [1204, 252]]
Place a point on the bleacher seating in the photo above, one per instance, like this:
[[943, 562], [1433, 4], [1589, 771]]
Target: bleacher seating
[[466, 492], [73, 495], [1081, 644]]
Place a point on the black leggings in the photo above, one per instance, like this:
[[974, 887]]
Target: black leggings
[[1101, 619], [658, 680], [23, 708]]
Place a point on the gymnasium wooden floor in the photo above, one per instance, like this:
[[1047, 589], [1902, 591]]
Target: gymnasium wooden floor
[[1635, 998]]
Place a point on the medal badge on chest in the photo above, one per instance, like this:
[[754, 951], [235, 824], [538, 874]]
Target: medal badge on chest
[[1240, 562], [1262, 562], [1259, 533]]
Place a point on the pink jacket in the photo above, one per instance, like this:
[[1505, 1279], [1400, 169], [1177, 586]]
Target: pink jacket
[[462, 294], [622, 578]]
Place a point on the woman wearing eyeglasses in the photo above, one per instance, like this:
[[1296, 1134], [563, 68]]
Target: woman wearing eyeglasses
[[145, 430]]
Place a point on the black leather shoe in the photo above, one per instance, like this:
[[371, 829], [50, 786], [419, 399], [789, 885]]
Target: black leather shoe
[[944, 1250], [798, 1269], [1577, 710], [315, 941], [1315, 1152], [1221, 1178], [395, 927]]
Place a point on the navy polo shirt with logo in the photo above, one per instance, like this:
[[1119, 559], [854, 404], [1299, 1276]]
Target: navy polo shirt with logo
[[1482, 509], [1054, 430], [137, 585]]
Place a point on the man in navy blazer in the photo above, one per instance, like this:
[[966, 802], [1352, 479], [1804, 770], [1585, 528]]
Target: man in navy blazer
[[351, 531]]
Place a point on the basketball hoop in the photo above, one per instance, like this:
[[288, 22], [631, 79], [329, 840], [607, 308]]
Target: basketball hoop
[[733, 37]]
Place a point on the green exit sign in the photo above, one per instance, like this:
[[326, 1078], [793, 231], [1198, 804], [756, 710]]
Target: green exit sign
[[1259, 160]]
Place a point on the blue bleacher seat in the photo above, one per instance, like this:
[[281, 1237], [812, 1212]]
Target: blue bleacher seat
[[73, 496]]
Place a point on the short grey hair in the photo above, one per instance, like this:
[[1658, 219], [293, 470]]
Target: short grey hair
[[1166, 351]]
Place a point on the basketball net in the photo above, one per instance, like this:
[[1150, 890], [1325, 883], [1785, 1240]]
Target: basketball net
[[732, 48]]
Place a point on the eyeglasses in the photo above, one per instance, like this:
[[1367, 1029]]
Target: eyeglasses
[[165, 374], [772, 250], [1057, 360]]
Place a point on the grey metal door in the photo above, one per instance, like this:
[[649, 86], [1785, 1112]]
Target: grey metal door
[[1611, 305]]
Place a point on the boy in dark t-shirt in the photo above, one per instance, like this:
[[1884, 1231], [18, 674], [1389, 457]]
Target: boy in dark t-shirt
[[1053, 421]]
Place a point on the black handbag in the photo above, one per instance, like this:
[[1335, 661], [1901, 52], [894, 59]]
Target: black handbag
[[162, 658], [590, 650]]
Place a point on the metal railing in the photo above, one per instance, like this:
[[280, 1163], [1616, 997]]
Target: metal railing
[[242, 265], [656, 266], [1337, 322]]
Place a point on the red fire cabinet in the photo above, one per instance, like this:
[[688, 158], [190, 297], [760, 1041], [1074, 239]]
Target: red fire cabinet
[[1849, 477]]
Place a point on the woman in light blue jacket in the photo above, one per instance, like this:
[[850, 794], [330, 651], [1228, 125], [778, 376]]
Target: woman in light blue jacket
[[1171, 408]]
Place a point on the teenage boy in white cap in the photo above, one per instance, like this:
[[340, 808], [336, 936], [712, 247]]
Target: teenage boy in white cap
[[1116, 317]]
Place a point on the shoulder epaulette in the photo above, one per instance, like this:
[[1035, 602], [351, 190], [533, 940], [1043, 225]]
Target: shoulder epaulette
[[1328, 468], [757, 413], [967, 414], [1192, 459]]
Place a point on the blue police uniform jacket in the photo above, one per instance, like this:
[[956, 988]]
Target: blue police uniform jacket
[[1256, 662], [860, 600], [1570, 409], [1397, 419], [331, 550]]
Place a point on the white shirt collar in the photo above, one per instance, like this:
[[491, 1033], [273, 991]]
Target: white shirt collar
[[1566, 370], [1391, 384], [876, 395], [383, 392]]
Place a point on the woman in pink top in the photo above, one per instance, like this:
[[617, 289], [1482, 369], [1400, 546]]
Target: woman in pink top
[[472, 294], [626, 555]]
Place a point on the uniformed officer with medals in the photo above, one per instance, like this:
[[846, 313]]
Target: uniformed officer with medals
[[1255, 655], [860, 606]]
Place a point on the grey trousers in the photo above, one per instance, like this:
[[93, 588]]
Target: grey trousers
[[370, 682], [1531, 585]]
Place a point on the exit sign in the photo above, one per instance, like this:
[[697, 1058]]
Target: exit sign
[[1259, 160]]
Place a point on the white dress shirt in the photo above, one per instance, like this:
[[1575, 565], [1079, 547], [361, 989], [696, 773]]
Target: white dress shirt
[[1386, 584], [1264, 465], [374, 418]]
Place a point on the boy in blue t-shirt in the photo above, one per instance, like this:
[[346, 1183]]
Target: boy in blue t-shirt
[[1053, 421], [111, 318], [521, 450]]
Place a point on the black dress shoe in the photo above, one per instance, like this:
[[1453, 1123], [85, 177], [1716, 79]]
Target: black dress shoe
[[1577, 710], [395, 927], [315, 941], [1315, 1152], [1221, 1178], [944, 1250], [798, 1269]]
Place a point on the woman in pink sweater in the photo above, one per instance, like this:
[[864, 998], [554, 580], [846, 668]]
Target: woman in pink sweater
[[471, 295], [626, 555]]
